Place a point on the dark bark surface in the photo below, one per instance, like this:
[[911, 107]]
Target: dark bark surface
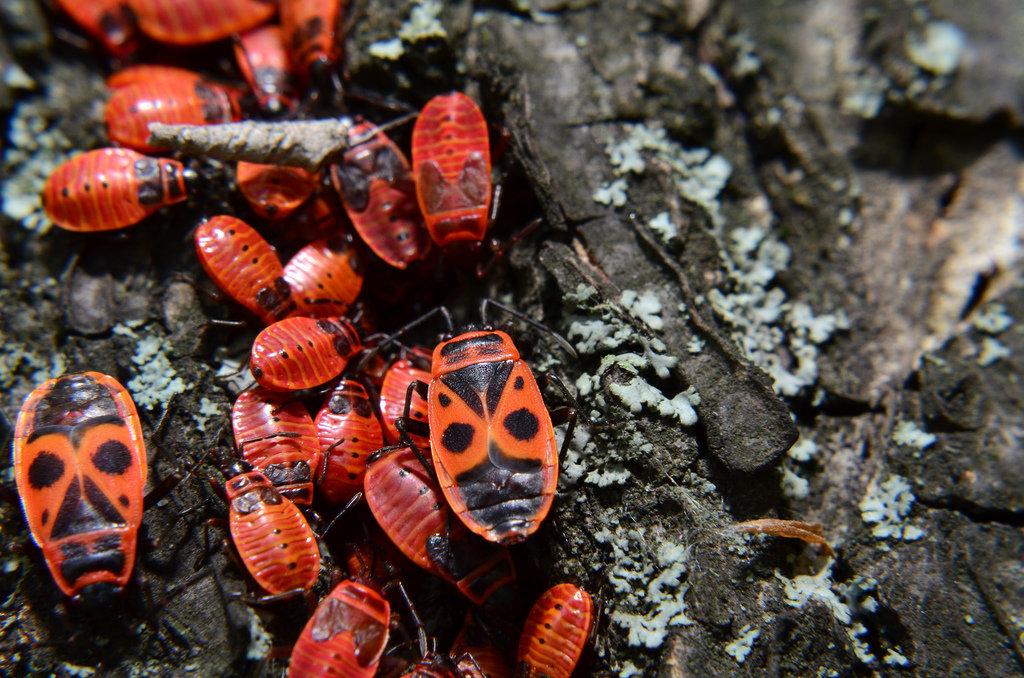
[[836, 196]]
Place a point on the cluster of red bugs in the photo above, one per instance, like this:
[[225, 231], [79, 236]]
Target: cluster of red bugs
[[451, 448]]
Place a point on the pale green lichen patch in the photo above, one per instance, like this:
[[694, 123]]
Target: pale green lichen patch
[[652, 590], [887, 506], [423, 23], [991, 351], [993, 319], [155, 380], [663, 225], [612, 194]]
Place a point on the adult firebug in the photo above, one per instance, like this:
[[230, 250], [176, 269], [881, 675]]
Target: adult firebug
[[491, 435], [80, 467], [555, 633], [111, 188], [297, 353], [242, 263], [272, 537], [277, 436], [263, 60], [194, 22], [451, 163], [376, 188], [311, 34], [410, 507], [169, 100], [275, 191], [109, 21], [346, 635], [325, 276], [349, 432]]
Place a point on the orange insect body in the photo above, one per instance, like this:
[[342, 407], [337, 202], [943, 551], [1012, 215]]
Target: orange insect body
[[393, 391], [263, 60], [491, 435], [311, 34], [297, 353], [349, 433], [109, 21], [325, 276], [272, 536], [378, 194], [242, 263], [555, 633], [451, 160], [346, 635], [410, 508], [194, 22], [111, 188], [131, 75], [275, 191], [80, 466], [290, 461], [169, 100]]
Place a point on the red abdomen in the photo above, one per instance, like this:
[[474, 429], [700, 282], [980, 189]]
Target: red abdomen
[[193, 22], [325, 276], [555, 632], [298, 353], [348, 432]]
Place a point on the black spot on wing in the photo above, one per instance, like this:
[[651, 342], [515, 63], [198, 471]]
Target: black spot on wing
[[444, 400], [458, 437], [518, 384], [112, 458], [496, 384], [522, 424], [45, 470]]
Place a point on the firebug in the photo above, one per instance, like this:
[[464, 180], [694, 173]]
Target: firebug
[[298, 353], [263, 60], [194, 22], [311, 33], [555, 633], [80, 466], [349, 433], [111, 188], [325, 276], [109, 21], [275, 191]]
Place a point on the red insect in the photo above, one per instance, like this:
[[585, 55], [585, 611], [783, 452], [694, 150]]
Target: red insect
[[555, 633], [478, 654], [451, 160], [111, 188], [243, 264], [491, 435], [378, 194], [349, 433], [312, 35], [276, 435], [263, 60], [395, 389], [275, 191], [80, 466], [272, 536], [346, 635], [325, 276], [194, 22], [409, 506], [109, 21], [297, 353], [131, 75], [170, 100]]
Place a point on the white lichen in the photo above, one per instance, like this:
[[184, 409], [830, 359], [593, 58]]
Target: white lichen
[[612, 194], [663, 225], [886, 506], [260, 641], [653, 588], [645, 306], [740, 648], [938, 49], [803, 450], [909, 434], [794, 486], [391, 50], [155, 380], [993, 319], [991, 351]]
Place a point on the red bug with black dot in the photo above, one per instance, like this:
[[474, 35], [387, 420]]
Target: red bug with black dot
[[412, 366], [349, 432], [277, 436], [245, 266], [80, 467], [109, 21], [111, 188], [263, 60], [194, 22], [298, 353], [273, 539], [326, 276], [376, 188], [275, 191], [555, 633], [312, 35], [171, 99]]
